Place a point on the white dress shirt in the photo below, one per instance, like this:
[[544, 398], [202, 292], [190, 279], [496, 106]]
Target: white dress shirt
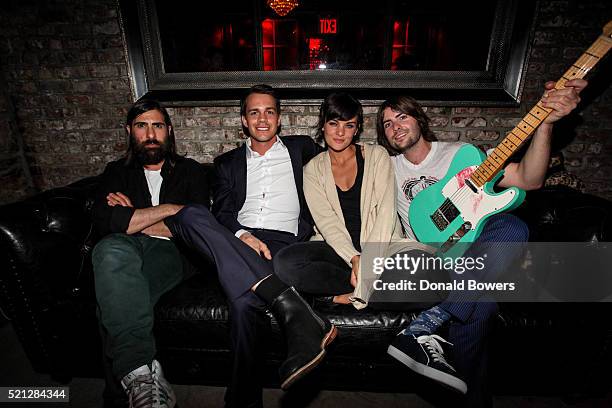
[[271, 195]]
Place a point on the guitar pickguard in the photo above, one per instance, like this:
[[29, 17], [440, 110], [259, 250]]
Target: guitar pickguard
[[474, 205]]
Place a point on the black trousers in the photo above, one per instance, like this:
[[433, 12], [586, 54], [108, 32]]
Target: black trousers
[[315, 268], [239, 268]]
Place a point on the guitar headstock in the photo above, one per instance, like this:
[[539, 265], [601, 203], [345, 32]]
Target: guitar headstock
[[607, 30]]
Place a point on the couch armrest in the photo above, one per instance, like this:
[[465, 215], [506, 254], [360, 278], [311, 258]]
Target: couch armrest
[[44, 246], [562, 214]]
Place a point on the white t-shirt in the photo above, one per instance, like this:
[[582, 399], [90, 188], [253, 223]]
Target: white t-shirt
[[154, 181], [413, 178]]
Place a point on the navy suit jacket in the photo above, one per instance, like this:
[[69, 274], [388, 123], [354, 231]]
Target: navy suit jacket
[[229, 187]]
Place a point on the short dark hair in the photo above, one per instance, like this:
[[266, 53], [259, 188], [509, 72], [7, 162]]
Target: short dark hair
[[409, 106], [137, 109], [342, 106], [259, 89]]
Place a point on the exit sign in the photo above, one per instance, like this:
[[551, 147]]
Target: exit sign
[[328, 26]]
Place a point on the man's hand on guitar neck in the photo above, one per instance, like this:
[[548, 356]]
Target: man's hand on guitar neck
[[562, 101], [530, 173]]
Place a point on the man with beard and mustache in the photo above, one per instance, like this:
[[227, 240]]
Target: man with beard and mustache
[[136, 263], [420, 161]]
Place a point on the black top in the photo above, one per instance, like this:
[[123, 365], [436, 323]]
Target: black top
[[350, 202], [184, 182]]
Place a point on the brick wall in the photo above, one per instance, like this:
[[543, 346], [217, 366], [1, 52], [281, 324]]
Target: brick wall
[[14, 177], [65, 67]]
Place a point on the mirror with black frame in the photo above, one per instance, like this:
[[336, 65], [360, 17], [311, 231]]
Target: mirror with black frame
[[465, 52]]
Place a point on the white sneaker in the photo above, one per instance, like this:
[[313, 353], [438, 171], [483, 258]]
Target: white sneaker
[[148, 388]]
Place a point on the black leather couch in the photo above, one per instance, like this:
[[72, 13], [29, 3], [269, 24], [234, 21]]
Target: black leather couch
[[46, 289]]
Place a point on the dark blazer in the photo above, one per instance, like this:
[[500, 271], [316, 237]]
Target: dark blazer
[[184, 182], [229, 186]]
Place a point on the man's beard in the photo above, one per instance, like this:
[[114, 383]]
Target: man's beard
[[407, 145], [151, 155]]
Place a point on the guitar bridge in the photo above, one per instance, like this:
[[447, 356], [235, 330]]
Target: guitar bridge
[[444, 215]]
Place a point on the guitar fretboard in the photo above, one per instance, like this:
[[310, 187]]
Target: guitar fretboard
[[525, 128]]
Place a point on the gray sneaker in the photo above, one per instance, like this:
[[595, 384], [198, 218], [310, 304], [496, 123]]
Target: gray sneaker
[[147, 388]]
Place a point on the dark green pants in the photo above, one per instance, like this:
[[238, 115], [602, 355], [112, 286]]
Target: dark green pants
[[131, 273]]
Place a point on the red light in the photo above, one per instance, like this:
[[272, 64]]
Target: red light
[[314, 43], [314, 49], [267, 27]]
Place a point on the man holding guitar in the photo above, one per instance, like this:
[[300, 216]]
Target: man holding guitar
[[420, 162]]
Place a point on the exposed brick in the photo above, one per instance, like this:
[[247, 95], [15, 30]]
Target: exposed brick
[[501, 111], [482, 135], [293, 109], [232, 121], [554, 21], [207, 121], [108, 56], [536, 68], [55, 44], [439, 121], [368, 134], [306, 121], [75, 72], [447, 136], [505, 122], [79, 123], [539, 53], [78, 99], [110, 28], [461, 121], [573, 162], [79, 43], [440, 110], [462, 110], [572, 53], [208, 110], [368, 122], [545, 38], [102, 71], [59, 86], [91, 87], [575, 148], [211, 134], [52, 113], [594, 148]]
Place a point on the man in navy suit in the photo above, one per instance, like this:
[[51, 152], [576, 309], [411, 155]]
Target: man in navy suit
[[258, 191], [258, 198]]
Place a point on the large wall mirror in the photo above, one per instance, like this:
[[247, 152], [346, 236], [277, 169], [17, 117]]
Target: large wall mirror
[[439, 51]]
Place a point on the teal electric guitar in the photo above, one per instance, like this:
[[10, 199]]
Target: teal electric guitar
[[451, 214]]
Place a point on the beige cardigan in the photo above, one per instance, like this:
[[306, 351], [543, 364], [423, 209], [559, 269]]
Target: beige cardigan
[[379, 221]]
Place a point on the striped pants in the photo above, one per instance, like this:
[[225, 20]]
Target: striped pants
[[472, 320]]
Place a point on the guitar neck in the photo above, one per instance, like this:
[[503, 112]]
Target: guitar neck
[[525, 128]]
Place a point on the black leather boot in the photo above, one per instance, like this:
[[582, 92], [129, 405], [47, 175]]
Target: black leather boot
[[307, 334]]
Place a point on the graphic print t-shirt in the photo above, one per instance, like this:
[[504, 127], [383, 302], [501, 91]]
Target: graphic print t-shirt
[[413, 178]]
